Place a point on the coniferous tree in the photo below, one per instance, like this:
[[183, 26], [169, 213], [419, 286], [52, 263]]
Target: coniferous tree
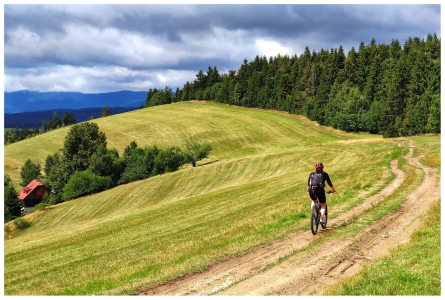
[[284, 90], [363, 63], [12, 205], [105, 112], [177, 95], [185, 92], [201, 80], [380, 88]]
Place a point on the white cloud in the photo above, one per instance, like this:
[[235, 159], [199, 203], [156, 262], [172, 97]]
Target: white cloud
[[95, 79], [271, 48], [98, 48], [83, 44]]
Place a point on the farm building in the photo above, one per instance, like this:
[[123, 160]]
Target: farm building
[[32, 194]]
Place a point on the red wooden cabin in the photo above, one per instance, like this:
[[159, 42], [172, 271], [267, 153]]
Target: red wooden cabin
[[32, 194]]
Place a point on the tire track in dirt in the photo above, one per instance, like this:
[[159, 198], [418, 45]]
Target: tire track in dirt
[[221, 275], [310, 273]]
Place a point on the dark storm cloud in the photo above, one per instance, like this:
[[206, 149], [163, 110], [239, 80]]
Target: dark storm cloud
[[185, 38], [33, 17]]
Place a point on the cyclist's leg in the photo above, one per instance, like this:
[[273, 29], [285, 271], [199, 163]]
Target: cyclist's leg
[[322, 198], [313, 197], [322, 210]]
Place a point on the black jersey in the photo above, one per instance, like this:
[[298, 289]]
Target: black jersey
[[325, 178]]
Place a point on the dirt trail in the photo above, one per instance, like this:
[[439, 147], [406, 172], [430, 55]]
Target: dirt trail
[[296, 275], [309, 274]]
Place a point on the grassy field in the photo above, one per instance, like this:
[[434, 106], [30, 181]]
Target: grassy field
[[233, 132], [249, 192]]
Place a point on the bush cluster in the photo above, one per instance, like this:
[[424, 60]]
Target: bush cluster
[[41, 206], [86, 166], [21, 223], [84, 183]]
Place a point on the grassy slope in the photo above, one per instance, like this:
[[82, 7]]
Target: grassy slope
[[157, 229], [411, 269], [233, 132]]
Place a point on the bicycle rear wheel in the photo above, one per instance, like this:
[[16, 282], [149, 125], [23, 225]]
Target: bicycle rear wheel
[[314, 220]]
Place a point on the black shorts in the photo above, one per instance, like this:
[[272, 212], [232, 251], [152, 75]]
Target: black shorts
[[318, 193]]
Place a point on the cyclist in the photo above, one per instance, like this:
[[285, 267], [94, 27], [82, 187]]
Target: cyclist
[[316, 185]]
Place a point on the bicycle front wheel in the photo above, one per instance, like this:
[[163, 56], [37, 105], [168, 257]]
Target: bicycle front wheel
[[314, 220]]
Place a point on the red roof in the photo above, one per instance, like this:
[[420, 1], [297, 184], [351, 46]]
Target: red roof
[[28, 189]]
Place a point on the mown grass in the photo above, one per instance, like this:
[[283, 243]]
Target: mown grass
[[154, 230], [233, 132]]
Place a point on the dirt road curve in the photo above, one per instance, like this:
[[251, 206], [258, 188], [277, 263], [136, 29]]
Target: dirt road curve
[[308, 273]]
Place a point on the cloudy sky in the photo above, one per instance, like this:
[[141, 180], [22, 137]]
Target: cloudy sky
[[104, 48]]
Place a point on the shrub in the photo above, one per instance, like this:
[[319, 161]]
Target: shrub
[[8, 228], [41, 206], [168, 160], [135, 169], [84, 183], [51, 199], [21, 223], [195, 152], [117, 169]]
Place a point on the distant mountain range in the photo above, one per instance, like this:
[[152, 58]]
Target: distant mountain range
[[35, 118], [28, 101]]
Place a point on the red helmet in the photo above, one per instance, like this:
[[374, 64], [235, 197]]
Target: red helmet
[[319, 165]]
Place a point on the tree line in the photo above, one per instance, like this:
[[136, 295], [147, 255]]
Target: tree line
[[54, 122], [85, 165], [392, 90]]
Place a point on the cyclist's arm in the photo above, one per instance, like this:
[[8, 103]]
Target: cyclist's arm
[[308, 180], [328, 180]]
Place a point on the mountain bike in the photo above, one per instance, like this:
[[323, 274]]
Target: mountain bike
[[315, 216]]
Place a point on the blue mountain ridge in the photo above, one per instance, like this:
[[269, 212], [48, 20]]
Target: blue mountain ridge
[[28, 101], [35, 118]]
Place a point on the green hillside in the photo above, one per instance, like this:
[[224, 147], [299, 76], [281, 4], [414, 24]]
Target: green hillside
[[232, 132], [249, 192]]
